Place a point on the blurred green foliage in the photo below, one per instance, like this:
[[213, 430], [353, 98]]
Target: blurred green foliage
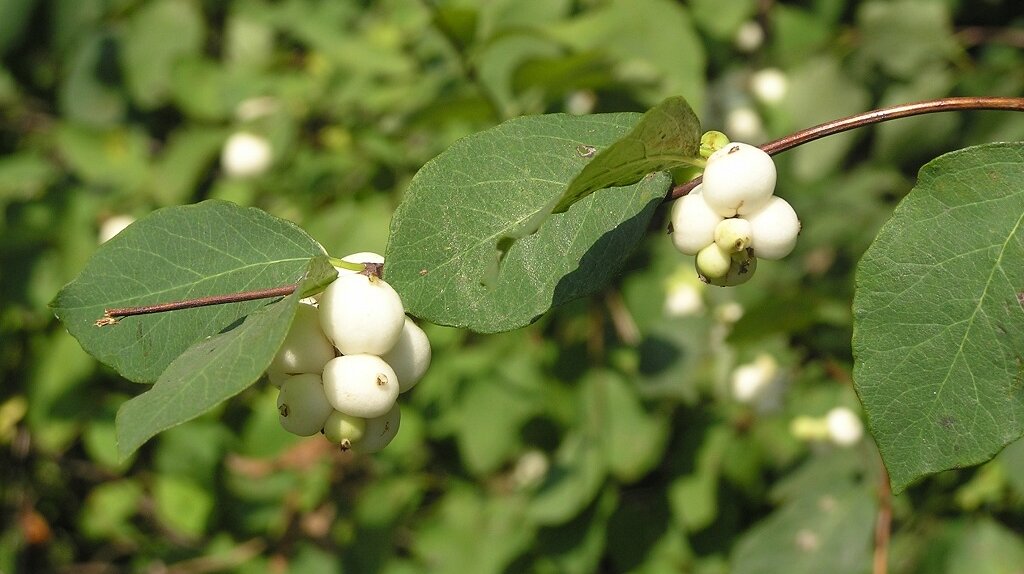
[[607, 436]]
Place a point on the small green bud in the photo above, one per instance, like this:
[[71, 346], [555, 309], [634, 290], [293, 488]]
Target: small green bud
[[733, 235], [742, 265], [713, 262], [711, 142]]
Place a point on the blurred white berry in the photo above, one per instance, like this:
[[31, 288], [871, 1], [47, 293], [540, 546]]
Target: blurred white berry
[[749, 36], [744, 123], [769, 85], [531, 468], [256, 108], [580, 102], [729, 312], [750, 380], [809, 428], [246, 155], [111, 226], [844, 426], [683, 300]]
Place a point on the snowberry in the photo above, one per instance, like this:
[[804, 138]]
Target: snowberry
[[361, 314], [751, 379], [844, 427], [305, 348], [693, 222], [774, 229], [738, 179], [769, 85], [742, 265], [733, 234], [114, 225], [360, 385], [410, 357], [246, 155], [344, 430], [380, 431], [713, 262], [302, 406]]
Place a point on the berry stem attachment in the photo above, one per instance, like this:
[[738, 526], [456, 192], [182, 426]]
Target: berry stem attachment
[[112, 316], [872, 117]]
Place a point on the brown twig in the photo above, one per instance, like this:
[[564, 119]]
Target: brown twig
[[111, 316], [873, 117], [883, 523]]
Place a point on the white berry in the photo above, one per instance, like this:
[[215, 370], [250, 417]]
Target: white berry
[[693, 222], [302, 406], [361, 314], [380, 431], [738, 179], [360, 385], [774, 229], [305, 348], [733, 234], [410, 357], [246, 155], [344, 430], [844, 427], [751, 379]]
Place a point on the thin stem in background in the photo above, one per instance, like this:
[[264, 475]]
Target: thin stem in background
[[873, 117], [883, 522]]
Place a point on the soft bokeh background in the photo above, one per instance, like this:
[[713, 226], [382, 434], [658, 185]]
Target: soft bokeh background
[[659, 427]]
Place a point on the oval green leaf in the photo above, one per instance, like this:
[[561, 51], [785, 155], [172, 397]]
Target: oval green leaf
[[211, 248], [939, 316], [445, 234], [214, 369]]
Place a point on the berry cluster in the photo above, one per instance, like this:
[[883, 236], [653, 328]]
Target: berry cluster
[[733, 217], [346, 359]]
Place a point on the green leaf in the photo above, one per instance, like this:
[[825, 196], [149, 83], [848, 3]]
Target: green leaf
[[182, 504], [159, 35], [668, 136], [176, 253], [939, 316], [634, 439], [812, 534], [986, 547], [486, 186], [214, 369]]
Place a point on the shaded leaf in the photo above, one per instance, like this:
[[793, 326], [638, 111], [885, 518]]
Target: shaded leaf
[[213, 370], [812, 534], [176, 253], [939, 318], [667, 136], [444, 234]]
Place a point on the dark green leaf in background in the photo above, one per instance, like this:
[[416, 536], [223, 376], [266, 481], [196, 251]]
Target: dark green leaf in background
[[211, 248], [939, 316], [444, 234], [668, 136], [213, 370]]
